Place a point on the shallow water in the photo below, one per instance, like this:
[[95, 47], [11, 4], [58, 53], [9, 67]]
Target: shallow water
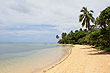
[[29, 57]]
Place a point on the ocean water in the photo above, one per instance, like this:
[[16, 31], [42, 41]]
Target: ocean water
[[29, 57]]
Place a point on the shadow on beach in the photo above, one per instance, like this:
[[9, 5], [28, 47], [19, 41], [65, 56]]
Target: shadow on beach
[[100, 53], [88, 47], [95, 51]]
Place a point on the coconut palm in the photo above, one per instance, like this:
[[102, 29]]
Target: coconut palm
[[86, 17], [64, 35], [57, 36]]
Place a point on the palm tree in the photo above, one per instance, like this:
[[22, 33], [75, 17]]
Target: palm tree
[[86, 17], [57, 36], [64, 35]]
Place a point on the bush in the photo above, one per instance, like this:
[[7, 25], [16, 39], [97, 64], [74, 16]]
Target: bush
[[82, 41], [71, 41], [107, 48], [103, 48], [98, 35], [100, 47], [93, 38]]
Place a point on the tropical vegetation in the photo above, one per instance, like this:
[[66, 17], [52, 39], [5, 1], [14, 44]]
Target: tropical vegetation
[[86, 17], [97, 34]]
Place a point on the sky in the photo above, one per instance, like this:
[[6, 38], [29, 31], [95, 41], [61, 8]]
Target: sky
[[41, 20]]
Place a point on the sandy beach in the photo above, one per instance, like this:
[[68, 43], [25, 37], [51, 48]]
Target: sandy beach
[[82, 59]]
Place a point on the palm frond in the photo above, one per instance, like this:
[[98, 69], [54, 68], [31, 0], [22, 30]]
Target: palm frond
[[86, 17], [81, 17], [88, 23], [91, 11], [91, 18], [85, 8], [83, 23], [82, 10]]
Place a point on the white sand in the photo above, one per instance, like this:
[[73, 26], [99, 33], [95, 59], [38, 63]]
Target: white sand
[[82, 59]]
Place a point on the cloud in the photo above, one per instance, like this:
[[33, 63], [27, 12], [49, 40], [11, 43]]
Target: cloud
[[38, 17]]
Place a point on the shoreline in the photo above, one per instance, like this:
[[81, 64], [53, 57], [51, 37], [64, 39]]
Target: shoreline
[[60, 61], [82, 59]]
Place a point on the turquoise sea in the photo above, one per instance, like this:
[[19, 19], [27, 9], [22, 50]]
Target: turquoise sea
[[29, 57]]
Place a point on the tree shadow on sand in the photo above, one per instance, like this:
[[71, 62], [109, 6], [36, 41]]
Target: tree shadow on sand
[[88, 47], [99, 52], [96, 51]]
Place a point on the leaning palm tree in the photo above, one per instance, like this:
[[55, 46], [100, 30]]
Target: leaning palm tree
[[86, 17]]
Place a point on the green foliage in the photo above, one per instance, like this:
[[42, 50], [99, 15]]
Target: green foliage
[[74, 37], [79, 34], [76, 30], [57, 37], [93, 38], [103, 48], [86, 17], [82, 41], [98, 35], [107, 48], [100, 48], [71, 41], [104, 18], [85, 30], [64, 35]]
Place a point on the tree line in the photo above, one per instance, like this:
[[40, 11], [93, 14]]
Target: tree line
[[97, 34]]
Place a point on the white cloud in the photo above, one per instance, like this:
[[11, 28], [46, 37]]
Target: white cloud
[[61, 13]]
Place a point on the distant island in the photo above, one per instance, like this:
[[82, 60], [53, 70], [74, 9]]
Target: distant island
[[97, 34]]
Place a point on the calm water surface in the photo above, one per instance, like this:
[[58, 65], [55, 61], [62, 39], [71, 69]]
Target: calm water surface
[[29, 57]]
